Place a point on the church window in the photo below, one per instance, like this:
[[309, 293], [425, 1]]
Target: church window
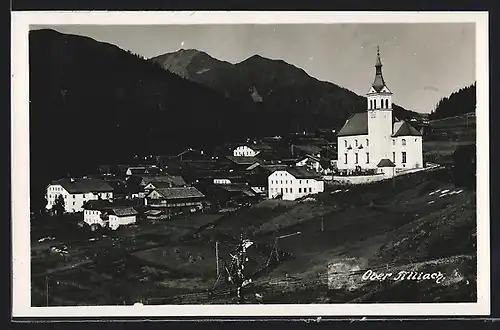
[[356, 142], [345, 143], [310, 189], [393, 142], [403, 142], [387, 104], [403, 157], [367, 158], [345, 158], [393, 157], [291, 190], [356, 159], [286, 190], [367, 144]]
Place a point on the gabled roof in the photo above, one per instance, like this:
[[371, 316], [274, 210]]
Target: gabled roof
[[179, 192], [385, 163], [357, 124], [308, 148], [256, 146], [97, 205], [175, 180], [244, 160], [405, 129], [301, 173], [79, 186], [123, 211]]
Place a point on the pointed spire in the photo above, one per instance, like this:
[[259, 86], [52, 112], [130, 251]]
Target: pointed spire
[[378, 82], [378, 62]]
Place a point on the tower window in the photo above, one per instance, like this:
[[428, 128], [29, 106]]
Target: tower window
[[403, 142], [387, 103]]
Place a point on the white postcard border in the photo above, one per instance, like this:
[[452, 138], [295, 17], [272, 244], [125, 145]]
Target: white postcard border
[[21, 303]]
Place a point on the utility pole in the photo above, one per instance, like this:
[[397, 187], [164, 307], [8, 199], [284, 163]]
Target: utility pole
[[47, 289], [322, 216], [217, 256]]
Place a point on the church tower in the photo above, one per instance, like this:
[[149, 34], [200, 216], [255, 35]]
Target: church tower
[[380, 126]]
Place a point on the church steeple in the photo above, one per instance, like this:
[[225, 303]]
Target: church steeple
[[378, 82], [379, 96]]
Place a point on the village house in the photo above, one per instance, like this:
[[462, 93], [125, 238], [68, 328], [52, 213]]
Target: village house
[[250, 149], [93, 211], [75, 192], [175, 199], [369, 137], [293, 183], [120, 216], [104, 214]]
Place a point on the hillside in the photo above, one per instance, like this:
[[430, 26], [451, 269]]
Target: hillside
[[274, 85], [92, 103], [419, 222], [458, 103]]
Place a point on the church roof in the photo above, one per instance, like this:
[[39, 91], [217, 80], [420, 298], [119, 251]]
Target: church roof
[[384, 162], [405, 129], [357, 124]]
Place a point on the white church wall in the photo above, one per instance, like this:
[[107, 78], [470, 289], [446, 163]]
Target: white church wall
[[411, 146], [347, 157]]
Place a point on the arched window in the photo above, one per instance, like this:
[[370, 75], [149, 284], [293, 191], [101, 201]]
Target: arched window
[[345, 143], [387, 103], [403, 142], [367, 144], [356, 142]]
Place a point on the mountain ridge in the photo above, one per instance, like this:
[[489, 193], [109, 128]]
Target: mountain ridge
[[272, 76]]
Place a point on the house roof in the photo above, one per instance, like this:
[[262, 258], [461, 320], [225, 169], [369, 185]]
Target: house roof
[[405, 129], [302, 173], [357, 124], [384, 162], [308, 148], [84, 185], [256, 146], [97, 204], [123, 211], [175, 180], [244, 160], [179, 192]]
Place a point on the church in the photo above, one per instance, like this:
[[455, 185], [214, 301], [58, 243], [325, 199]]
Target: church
[[376, 139]]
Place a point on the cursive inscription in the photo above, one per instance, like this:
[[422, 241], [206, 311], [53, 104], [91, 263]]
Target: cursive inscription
[[371, 275]]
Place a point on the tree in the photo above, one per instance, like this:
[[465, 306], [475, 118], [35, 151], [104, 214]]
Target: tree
[[59, 205]]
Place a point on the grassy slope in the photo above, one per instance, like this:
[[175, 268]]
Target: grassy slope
[[447, 134]]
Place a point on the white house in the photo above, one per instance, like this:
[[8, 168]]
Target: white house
[[93, 212], [250, 150], [367, 138], [293, 183], [121, 216], [105, 214], [75, 192]]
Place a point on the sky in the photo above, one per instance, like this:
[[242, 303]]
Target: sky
[[423, 62]]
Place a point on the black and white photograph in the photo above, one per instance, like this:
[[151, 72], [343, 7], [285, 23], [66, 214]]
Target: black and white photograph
[[250, 164]]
